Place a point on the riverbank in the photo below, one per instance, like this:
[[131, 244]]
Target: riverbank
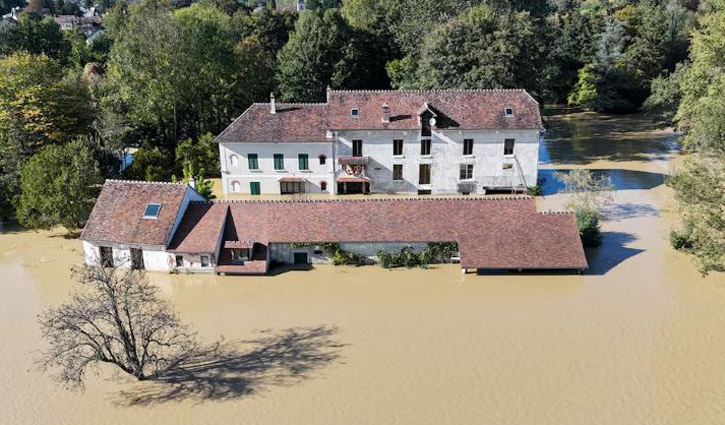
[[638, 339]]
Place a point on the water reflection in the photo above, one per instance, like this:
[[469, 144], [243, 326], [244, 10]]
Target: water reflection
[[584, 137], [621, 179]]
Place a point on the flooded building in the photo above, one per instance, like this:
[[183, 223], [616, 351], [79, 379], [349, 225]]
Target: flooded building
[[389, 141], [169, 227]]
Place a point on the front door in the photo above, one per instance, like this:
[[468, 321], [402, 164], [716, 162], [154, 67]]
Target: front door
[[300, 258], [254, 187], [137, 259]]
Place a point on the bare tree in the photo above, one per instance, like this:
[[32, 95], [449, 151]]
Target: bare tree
[[116, 318]]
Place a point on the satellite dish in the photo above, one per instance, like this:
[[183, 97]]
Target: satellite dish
[[432, 122]]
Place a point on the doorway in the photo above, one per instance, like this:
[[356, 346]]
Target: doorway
[[137, 259], [300, 258], [106, 253]]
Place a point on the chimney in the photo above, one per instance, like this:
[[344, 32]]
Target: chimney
[[386, 112], [192, 183], [329, 89], [272, 104]]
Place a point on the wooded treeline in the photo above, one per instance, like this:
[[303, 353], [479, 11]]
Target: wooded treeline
[[165, 78]]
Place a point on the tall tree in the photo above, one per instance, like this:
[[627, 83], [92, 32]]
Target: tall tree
[[59, 186], [34, 34], [700, 183]]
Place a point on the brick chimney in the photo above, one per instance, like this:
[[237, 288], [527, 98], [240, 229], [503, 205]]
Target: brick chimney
[[386, 112], [272, 104]]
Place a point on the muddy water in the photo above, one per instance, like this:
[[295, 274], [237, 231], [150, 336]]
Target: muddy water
[[638, 340]]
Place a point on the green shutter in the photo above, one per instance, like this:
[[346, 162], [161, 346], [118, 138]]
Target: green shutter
[[278, 161], [303, 161], [254, 188], [253, 161]]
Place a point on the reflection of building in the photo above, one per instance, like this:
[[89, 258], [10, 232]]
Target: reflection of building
[[450, 141], [169, 227]]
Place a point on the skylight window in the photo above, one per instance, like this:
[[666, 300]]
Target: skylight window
[[152, 211], [355, 113], [509, 112]]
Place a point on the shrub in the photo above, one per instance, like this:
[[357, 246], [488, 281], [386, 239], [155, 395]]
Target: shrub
[[588, 224], [681, 240], [534, 190]]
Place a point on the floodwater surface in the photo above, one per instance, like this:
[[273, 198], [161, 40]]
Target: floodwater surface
[[636, 340]]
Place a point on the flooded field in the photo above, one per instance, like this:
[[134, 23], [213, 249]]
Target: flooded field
[[637, 340]]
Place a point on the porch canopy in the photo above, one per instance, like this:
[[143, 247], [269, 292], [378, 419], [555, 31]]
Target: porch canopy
[[291, 179], [346, 178]]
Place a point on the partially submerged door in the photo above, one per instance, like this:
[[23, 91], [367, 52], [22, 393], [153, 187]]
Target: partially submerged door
[[300, 258], [137, 259]]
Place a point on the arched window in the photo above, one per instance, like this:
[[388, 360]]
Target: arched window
[[323, 159], [323, 186], [236, 186], [233, 160]]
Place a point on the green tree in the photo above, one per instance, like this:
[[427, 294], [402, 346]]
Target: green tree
[[700, 184], [152, 164], [482, 48], [204, 186], [202, 154], [665, 96], [33, 34], [59, 186]]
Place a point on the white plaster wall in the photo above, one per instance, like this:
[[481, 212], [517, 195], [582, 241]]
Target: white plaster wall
[[192, 262], [284, 252], [267, 176], [155, 258], [445, 159]]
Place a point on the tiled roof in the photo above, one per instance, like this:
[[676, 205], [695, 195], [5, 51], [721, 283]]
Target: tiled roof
[[200, 228], [118, 214], [302, 122], [545, 241], [454, 109]]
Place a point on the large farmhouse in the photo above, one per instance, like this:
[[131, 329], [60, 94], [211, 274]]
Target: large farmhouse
[[439, 142], [169, 227]]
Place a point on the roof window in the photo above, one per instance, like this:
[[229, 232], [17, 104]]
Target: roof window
[[355, 113], [152, 211], [509, 111]]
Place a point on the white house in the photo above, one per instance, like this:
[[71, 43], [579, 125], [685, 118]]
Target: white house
[[439, 142]]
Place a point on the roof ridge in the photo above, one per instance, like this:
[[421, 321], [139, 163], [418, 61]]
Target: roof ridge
[[337, 200], [425, 90], [144, 182], [552, 212]]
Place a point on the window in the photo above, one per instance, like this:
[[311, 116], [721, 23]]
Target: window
[[357, 148], [240, 254], [204, 260], [323, 186], [287, 188], [106, 253], [152, 211], [508, 147], [137, 259], [509, 111], [233, 160], [254, 188], [467, 146], [425, 147], [304, 162], [323, 159], [397, 147], [355, 113], [179, 261], [278, 161], [398, 172], [253, 160], [508, 166], [236, 186], [424, 174], [466, 171]]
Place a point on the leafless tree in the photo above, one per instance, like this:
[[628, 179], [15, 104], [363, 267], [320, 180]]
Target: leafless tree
[[116, 318]]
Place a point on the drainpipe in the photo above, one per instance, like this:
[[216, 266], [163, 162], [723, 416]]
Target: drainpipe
[[336, 139]]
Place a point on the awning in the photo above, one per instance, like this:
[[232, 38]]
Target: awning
[[291, 179], [352, 179], [353, 160], [239, 244]]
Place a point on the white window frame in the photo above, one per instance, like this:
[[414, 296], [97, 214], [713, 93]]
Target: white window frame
[[152, 217], [467, 166]]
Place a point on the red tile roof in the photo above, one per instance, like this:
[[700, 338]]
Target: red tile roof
[[454, 109], [118, 214], [200, 228]]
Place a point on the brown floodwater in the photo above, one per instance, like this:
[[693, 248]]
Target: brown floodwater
[[637, 340]]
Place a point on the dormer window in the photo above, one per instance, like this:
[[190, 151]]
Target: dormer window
[[152, 211], [509, 112], [355, 113]]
